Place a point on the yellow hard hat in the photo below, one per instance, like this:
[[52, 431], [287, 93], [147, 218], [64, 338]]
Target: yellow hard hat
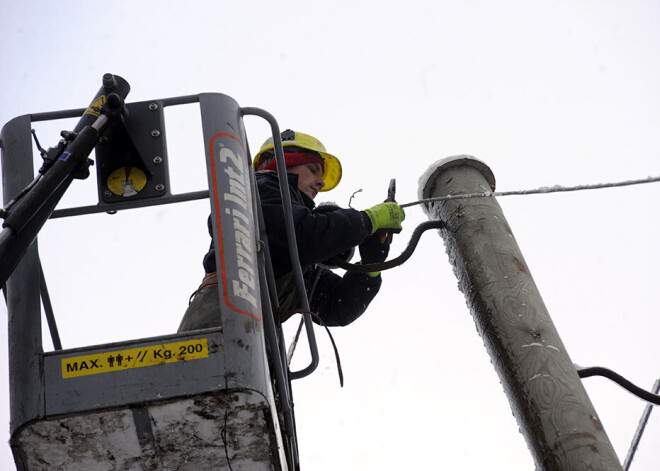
[[331, 164]]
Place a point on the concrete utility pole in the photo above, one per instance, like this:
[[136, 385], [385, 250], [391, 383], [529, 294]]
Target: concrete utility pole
[[546, 395]]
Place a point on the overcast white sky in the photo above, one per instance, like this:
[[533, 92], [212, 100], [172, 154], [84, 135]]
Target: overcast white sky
[[545, 92]]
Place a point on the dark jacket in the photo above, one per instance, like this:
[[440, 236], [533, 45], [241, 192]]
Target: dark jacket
[[337, 300]]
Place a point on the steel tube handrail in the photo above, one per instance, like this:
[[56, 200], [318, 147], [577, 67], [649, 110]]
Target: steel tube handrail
[[291, 237]]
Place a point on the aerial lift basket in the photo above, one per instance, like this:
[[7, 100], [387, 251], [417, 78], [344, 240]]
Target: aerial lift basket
[[216, 398]]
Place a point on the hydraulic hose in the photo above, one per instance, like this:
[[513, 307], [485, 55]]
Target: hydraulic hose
[[405, 255], [395, 262]]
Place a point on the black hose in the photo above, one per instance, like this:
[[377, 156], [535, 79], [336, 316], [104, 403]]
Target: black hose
[[405, 255], [621, 381], [395, 262]]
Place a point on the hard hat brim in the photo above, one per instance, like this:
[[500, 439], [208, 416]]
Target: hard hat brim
[[331, 171]]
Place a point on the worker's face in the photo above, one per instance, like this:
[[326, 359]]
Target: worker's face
[[310, 178]]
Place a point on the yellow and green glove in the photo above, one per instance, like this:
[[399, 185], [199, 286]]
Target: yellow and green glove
[[385, 219], [386, 216]]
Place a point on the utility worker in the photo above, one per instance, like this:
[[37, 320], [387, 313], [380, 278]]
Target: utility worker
[[321, 235]]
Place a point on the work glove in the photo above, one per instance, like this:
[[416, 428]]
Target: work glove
[[374, 249], [386, 216]]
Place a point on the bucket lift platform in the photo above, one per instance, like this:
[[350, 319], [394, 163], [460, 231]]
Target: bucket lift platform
[[215, 398], [163, 404]]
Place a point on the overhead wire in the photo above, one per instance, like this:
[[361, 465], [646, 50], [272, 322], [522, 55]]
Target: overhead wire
[[440, 225], [536, 191]]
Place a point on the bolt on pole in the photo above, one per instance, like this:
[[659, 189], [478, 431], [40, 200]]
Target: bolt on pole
[[547, 397]]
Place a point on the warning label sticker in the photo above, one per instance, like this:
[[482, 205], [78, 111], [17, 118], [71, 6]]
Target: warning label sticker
[[120, 360], [127, 181], [95, 108]]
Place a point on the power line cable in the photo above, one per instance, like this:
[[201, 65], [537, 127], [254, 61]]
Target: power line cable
[[440, 225], [536, 191], [585, 372]]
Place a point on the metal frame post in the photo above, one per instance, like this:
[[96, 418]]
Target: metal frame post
[[234, 236], [23, 300]]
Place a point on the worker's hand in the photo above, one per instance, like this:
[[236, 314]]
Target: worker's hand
[[385, 216], [374, 249]]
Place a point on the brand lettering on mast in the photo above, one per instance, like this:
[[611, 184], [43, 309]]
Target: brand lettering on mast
[[236, 207]]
